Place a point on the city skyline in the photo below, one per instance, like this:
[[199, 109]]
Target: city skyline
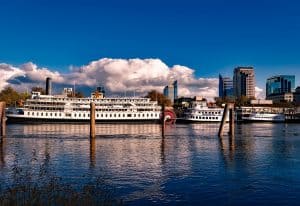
[[204, 38]]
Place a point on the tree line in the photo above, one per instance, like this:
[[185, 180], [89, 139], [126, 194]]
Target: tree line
[[14, 98]]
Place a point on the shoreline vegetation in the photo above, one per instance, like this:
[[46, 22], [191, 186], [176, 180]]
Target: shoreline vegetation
[[44, 188], [12, 98]]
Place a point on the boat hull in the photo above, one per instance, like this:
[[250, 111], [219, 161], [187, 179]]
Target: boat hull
[[21, 120], [261, 120]]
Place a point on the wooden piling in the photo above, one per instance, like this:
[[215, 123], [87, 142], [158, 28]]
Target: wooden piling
[[163, 122], [231, 121], [92, 152], [92, 120], [224, 117], [2, 119]]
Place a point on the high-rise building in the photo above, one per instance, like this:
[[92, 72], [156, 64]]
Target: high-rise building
[[225, 87], [171, 91], [244, 82], [281, 88], [280, 84]]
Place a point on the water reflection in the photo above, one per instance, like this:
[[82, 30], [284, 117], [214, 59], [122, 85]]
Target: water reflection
[[92, 152], [189, 161], [2, 152], [82, 130]]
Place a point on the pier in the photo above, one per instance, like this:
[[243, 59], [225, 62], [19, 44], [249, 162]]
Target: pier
[[2, 120], [92, 120], [228, 110]]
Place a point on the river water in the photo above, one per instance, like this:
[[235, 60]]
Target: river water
[[190, 165]]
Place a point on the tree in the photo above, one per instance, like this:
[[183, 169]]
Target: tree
[[243, 101], [38, 89], [79, 94], [159, 97], [12, 97]]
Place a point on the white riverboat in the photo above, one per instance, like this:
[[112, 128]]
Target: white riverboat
[[57, 108], [198, 111], [264, 117]]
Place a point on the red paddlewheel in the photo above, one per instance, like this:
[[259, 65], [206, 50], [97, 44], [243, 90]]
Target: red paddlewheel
[[170, 116]]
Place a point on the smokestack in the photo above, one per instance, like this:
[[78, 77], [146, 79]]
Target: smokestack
[[48, 86]]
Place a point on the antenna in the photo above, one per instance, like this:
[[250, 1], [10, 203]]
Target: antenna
[[74, 89]]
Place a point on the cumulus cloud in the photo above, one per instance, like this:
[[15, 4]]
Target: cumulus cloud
[[117, 75], [8, 72], [259, 93]]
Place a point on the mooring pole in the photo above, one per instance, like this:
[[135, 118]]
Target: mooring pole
[[92, 152], [2, 119], [231, 120], [224, 117], [163, 122], [92, 120]]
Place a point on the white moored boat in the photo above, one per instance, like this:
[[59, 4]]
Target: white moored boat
[[264, 117], [56, 108], [198, 111]]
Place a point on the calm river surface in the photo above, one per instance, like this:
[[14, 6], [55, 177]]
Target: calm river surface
[[190, 165]]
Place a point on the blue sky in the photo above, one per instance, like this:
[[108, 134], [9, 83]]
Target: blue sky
[[210, 36]]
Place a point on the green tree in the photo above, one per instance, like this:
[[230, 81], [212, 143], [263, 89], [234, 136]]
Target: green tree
[[159, 97], [78, 94], [243, 101], [12, 97], [38, 89]]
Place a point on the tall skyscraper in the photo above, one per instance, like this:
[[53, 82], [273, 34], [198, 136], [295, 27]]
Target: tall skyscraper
[[225, 87], [244, 82], [171, 91], [280, 84]]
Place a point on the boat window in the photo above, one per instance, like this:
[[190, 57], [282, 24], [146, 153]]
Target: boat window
[[51, 114], [79, 115], [42, 114], [32, 113], [128, 115]]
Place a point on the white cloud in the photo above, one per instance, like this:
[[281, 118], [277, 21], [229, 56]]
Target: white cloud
[[117, 75], [8, 72], [259, 93]]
